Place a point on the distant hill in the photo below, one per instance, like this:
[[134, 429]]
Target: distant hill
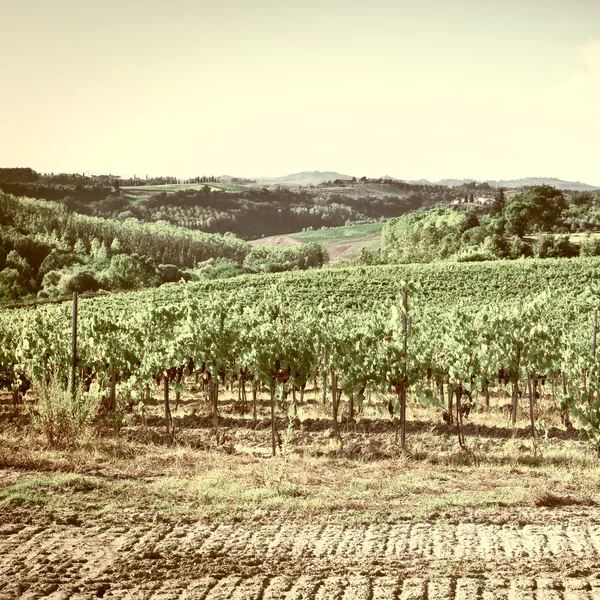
[[527, 181], [303, 178], [553, 181]]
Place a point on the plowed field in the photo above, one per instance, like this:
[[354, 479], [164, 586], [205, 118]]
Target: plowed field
[[547, 554]]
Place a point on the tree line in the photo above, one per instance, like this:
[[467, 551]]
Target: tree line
[[535, 222], [47, 251]]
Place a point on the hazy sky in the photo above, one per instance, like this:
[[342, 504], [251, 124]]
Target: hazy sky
[[434, 88]]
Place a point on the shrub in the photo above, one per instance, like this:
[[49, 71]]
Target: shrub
[[590, 247], [474, 255], [59, 413]]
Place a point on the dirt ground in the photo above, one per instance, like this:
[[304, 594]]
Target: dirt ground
[[540, 554], [136, 515]]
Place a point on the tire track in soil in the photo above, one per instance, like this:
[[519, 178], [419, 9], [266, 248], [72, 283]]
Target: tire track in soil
[[293, 561]]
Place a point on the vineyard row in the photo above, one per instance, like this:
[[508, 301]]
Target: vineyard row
[[405, 344]]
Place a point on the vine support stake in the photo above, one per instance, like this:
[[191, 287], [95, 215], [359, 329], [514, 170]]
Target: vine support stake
[[404, 371], [594, 333], [515, 391], [335, 396], [168, 419], [273, 425], [531, 387], [325, 365], [113, 384], [74, 344]]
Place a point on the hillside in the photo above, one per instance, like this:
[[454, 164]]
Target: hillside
[[244, 208], [340, 242], [526, 182], [303, 178], [48, 252]]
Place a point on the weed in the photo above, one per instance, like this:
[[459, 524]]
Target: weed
[[62, 412]]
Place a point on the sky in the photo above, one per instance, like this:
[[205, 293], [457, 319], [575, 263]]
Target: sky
[[433, 89]]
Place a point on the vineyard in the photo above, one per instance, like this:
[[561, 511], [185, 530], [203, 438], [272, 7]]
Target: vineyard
[[444, 340], [435, 432]]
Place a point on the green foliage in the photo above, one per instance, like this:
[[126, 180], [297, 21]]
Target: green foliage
[[539, 208], [474, 255], [422, 237], [130, 271], [61, 413], [171, 273], [275, 260], [499, 203], [11, 284], [462, 324], [77, 281], [217, 268], [120, 256], [550, 246], [590, 247]]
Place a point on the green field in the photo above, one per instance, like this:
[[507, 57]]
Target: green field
[[336, 235], [353, 251]]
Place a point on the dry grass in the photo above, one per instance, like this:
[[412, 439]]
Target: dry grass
[[140, 469]]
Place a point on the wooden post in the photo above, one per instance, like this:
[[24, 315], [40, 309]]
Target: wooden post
[[404, 371], [461, 437], [531, 389], [178, 393], [213, 393], [514, 401], [515, 390], [325, 365], [74, 345], [273, 427], [295, 406], [167, 408], [113, 389], [334, 405], [594, 331]]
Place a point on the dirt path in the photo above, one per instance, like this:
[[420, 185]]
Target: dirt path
[[541, 554]]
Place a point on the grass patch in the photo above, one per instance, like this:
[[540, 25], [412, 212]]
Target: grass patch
[[338, 234]]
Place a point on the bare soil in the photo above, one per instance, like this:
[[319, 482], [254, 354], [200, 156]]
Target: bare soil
[[543, 553], [135, 515]]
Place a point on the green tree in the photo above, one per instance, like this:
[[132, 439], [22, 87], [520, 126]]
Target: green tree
[[539, 208], [590, 247], [11, 284], [80, 281], [499, 202]]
